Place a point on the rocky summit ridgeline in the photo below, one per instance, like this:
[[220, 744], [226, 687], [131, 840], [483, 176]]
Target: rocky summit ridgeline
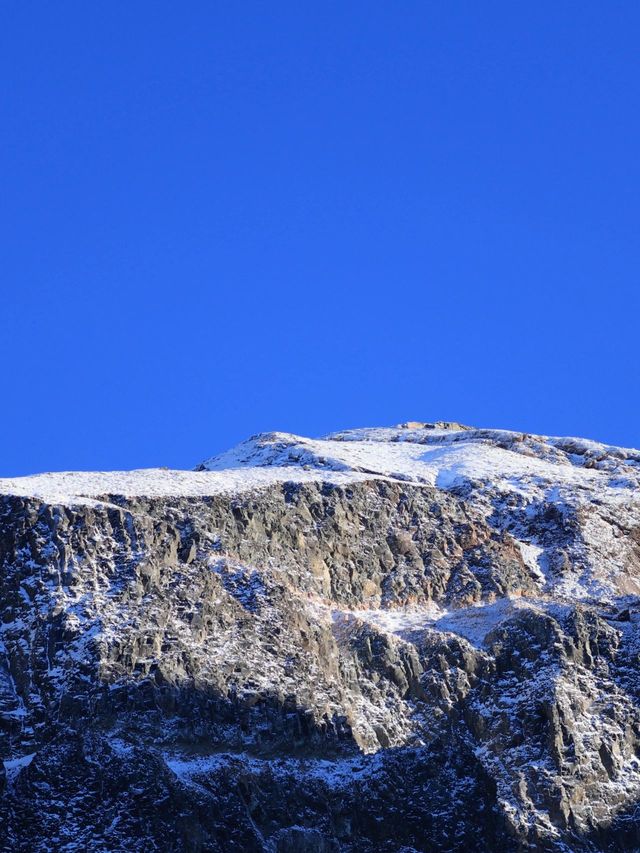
[[423, 638]]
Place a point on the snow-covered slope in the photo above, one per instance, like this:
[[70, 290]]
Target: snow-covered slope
[[71, 487], [445, 458], [424, 637], [510, 461]]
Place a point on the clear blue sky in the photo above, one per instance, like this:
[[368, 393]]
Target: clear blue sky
[[224, 218]]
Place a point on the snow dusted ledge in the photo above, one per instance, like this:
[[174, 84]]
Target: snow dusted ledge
[[420, 454]]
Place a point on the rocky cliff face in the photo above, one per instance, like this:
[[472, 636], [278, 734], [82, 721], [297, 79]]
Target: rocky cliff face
[[424, 638]]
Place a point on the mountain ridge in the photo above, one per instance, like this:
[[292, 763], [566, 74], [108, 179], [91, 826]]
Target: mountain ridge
[[420, 637]]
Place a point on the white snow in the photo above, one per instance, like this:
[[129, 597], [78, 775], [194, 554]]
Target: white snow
[[87, 486], [532, 556], [338, 772], [13, 766], [396, 621], [473, 623], [446, 459]]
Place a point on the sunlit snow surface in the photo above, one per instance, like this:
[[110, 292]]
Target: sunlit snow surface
[[445, 459], [473, 623], [79, 486]]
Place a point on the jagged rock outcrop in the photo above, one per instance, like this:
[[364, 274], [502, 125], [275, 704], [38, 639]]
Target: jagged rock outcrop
[[412, 639]]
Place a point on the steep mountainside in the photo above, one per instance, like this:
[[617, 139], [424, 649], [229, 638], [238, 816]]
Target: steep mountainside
[[424, 638]]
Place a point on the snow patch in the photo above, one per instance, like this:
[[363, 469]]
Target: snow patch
[[472, 623], [334, 773], [13, 766]]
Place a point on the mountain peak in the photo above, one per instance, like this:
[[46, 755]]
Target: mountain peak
[[239, 656]]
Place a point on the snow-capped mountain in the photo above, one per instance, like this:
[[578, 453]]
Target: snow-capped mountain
[[417, 638]]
